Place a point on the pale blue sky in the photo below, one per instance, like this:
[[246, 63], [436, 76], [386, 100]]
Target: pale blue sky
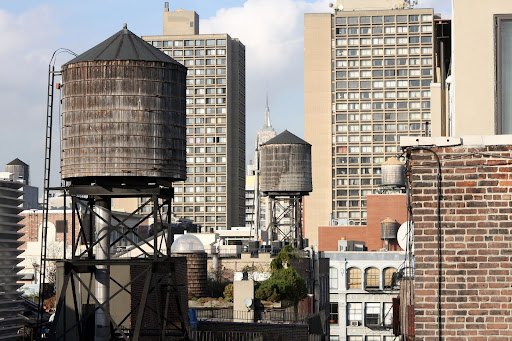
[[30, 30]]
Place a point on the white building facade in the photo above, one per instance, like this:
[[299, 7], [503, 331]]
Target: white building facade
[[362, 288]]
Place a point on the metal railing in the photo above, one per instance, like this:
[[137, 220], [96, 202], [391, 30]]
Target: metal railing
[[274, 316], [225, 336]]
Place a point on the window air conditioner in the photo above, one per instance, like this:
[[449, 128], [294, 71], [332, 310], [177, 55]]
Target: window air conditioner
[[354, 323]]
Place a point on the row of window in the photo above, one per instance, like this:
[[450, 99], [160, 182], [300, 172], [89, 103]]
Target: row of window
[[192, 140], [366, 149], [211, 169], [384, 73], [205, 81], [378, 62], [358, 181], [380, 105], [352, 192], [387, 52], [207, 91], [201, 208], [357, 159], [196, 52], [207, 71], [381, 116], [384, 41], [382, 94], [219, 198], [381, 84], [352, 215], [208, 150], [371, 278], [206, 179], [380, 19], [179, 43], [202, 111], [200, 189], [385, 30], [374, 314], [207, 130], [378, 127], [374, 138]]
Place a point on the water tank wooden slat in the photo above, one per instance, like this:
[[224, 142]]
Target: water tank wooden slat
[[286, 168], [123, 118], [393, 173]]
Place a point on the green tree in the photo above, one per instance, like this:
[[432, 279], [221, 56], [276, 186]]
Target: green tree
[[284, 283], [228, 293]]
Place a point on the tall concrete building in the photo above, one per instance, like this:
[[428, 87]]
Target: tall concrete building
[[368, 69], [214, 193]]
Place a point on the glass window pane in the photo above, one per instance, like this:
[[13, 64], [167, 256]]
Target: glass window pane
[[505, 37], [354, 278], [372, 278]]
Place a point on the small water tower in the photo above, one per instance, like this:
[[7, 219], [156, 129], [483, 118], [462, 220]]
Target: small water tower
[[388, 230], [197, 270], [286, 177], [393, 173]]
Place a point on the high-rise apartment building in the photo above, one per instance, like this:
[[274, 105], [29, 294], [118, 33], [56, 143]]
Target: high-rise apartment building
[[214, 193], [366, 83]]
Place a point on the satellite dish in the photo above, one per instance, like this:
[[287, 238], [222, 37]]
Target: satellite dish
[[402, 235], [248, 302], [331, 5]]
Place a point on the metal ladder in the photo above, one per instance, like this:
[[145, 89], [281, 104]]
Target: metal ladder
[[46, 195]]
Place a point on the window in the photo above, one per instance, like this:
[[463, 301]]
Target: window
[[354, 313], [333, 315], [333, 278], [388, 314], [503, 43], [388, 277], [354, 278], [372, 317], [372, 278], [372, 338]]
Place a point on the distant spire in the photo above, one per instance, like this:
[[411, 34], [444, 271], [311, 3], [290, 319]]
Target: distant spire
[[267, 116]]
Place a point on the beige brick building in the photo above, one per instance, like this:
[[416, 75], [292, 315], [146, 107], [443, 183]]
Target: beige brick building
[[367, 82], [214, 193]]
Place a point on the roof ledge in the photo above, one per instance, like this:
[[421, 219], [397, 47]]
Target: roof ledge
[[471, 140]]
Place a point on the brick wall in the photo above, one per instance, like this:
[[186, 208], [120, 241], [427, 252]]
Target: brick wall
[[33, 220], [379, 207], [476, 267]]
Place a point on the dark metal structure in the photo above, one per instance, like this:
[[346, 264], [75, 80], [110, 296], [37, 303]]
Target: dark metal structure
[[11, 305], [123, 136], [285, 179]]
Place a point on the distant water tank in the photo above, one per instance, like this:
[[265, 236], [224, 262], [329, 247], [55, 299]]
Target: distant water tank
[[192, 248], [388, 229], [19, 169], [286, 165], [393, 173], [123, 118]]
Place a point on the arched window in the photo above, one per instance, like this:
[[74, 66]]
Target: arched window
[[372, 278], [388, 277], [354, 278], [333, 278]]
